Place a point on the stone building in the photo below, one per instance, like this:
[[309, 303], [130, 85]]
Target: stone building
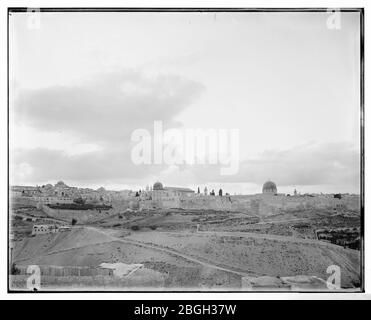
[[269, 188], [159, 192], [164, 197]]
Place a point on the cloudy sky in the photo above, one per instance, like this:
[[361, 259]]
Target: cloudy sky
[[80, 83]]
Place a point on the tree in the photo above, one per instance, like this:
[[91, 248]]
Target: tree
[[212, 193], [73, 222], [198, 190], [14, 270], [220, 192], [79, 200]]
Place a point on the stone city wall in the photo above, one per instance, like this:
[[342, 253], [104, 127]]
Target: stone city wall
[[270, 204], [207, 202], [262, 204], [259, 204]]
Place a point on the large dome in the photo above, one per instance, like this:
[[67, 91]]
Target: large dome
[[269, 187], [158, 186]]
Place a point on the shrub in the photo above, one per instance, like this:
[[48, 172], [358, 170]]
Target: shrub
[[135, 228], [153, 227], [74, 221], [14, 270]]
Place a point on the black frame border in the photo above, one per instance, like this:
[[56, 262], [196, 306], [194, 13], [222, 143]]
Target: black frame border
[[11, 10]]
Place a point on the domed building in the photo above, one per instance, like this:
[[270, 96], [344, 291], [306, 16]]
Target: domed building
[[60, 184], [158, 186], [61, 189], [269, 187], [165, 197]]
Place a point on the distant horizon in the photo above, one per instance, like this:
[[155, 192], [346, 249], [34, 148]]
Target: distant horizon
[[107, 188]]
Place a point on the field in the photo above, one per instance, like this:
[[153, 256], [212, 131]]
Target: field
[[191, 250]]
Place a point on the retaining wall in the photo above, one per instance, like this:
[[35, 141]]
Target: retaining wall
[[82, 216], [65, 271], [259, 204]]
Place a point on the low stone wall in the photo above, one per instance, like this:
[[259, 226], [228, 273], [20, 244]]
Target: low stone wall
[[293, 283], [65, 271], [21, 200], [82, 216]]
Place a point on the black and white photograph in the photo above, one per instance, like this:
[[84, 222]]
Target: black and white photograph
[[185, 150]]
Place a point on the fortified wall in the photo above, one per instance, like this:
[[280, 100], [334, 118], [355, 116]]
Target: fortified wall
[[259, 204], [190, 203], [274, 204], [207, 202], [81, 216]]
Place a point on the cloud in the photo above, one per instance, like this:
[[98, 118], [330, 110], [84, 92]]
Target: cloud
[[309, 164], [184, 60], [330, 164], [106, 108], [41, 165], [102, 111]]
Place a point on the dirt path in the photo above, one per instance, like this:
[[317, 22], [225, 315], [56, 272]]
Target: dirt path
[[63, 250], [174, 253], [268, 237], [191, 258], [263, 236], [185, 256], [147, 246], [286, 239], [281, 238], [281, 221]]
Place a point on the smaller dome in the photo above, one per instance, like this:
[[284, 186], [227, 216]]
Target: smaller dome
[[269, 187], [158, 186], [60, 184]]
